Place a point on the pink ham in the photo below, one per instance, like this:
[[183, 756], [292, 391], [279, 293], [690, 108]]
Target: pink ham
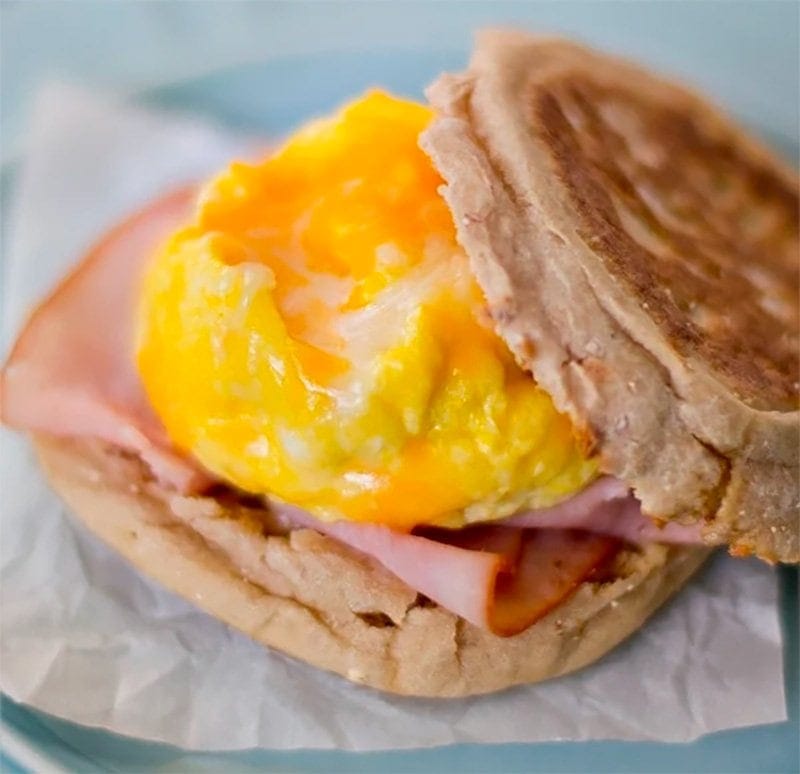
[[500, 578], [71, 372], [607, 506], [505, 575]]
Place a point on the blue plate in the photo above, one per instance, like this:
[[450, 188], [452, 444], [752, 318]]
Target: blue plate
[[271, 98]]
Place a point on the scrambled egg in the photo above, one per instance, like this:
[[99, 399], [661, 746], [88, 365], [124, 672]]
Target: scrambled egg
[[315, 334]]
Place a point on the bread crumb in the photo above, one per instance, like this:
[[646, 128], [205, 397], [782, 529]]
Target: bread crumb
[[355, 674], [594, 348]]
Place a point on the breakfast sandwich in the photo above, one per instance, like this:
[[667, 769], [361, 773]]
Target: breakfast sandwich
[[442, 398]]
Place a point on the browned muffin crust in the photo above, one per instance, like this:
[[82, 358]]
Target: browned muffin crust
[[639, 253]]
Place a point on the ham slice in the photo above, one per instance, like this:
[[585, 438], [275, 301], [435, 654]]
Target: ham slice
[[608, 507], [499, 578], [71, 372]]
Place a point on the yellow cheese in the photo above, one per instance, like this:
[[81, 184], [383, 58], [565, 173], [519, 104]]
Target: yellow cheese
[[315, 335]]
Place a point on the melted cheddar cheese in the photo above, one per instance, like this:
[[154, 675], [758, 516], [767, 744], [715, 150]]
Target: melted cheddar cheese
[[315, 334]]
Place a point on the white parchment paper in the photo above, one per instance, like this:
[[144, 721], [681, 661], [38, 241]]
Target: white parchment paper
[[86, 638]]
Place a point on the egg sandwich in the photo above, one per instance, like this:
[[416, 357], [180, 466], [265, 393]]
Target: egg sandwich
[[442, 398]]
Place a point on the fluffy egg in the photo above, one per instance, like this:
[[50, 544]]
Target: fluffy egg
[[315, 335]]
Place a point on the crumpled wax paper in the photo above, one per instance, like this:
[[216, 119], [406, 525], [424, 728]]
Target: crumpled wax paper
[[86, 638]]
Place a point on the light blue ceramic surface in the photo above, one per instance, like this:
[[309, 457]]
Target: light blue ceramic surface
[[271, 98]]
